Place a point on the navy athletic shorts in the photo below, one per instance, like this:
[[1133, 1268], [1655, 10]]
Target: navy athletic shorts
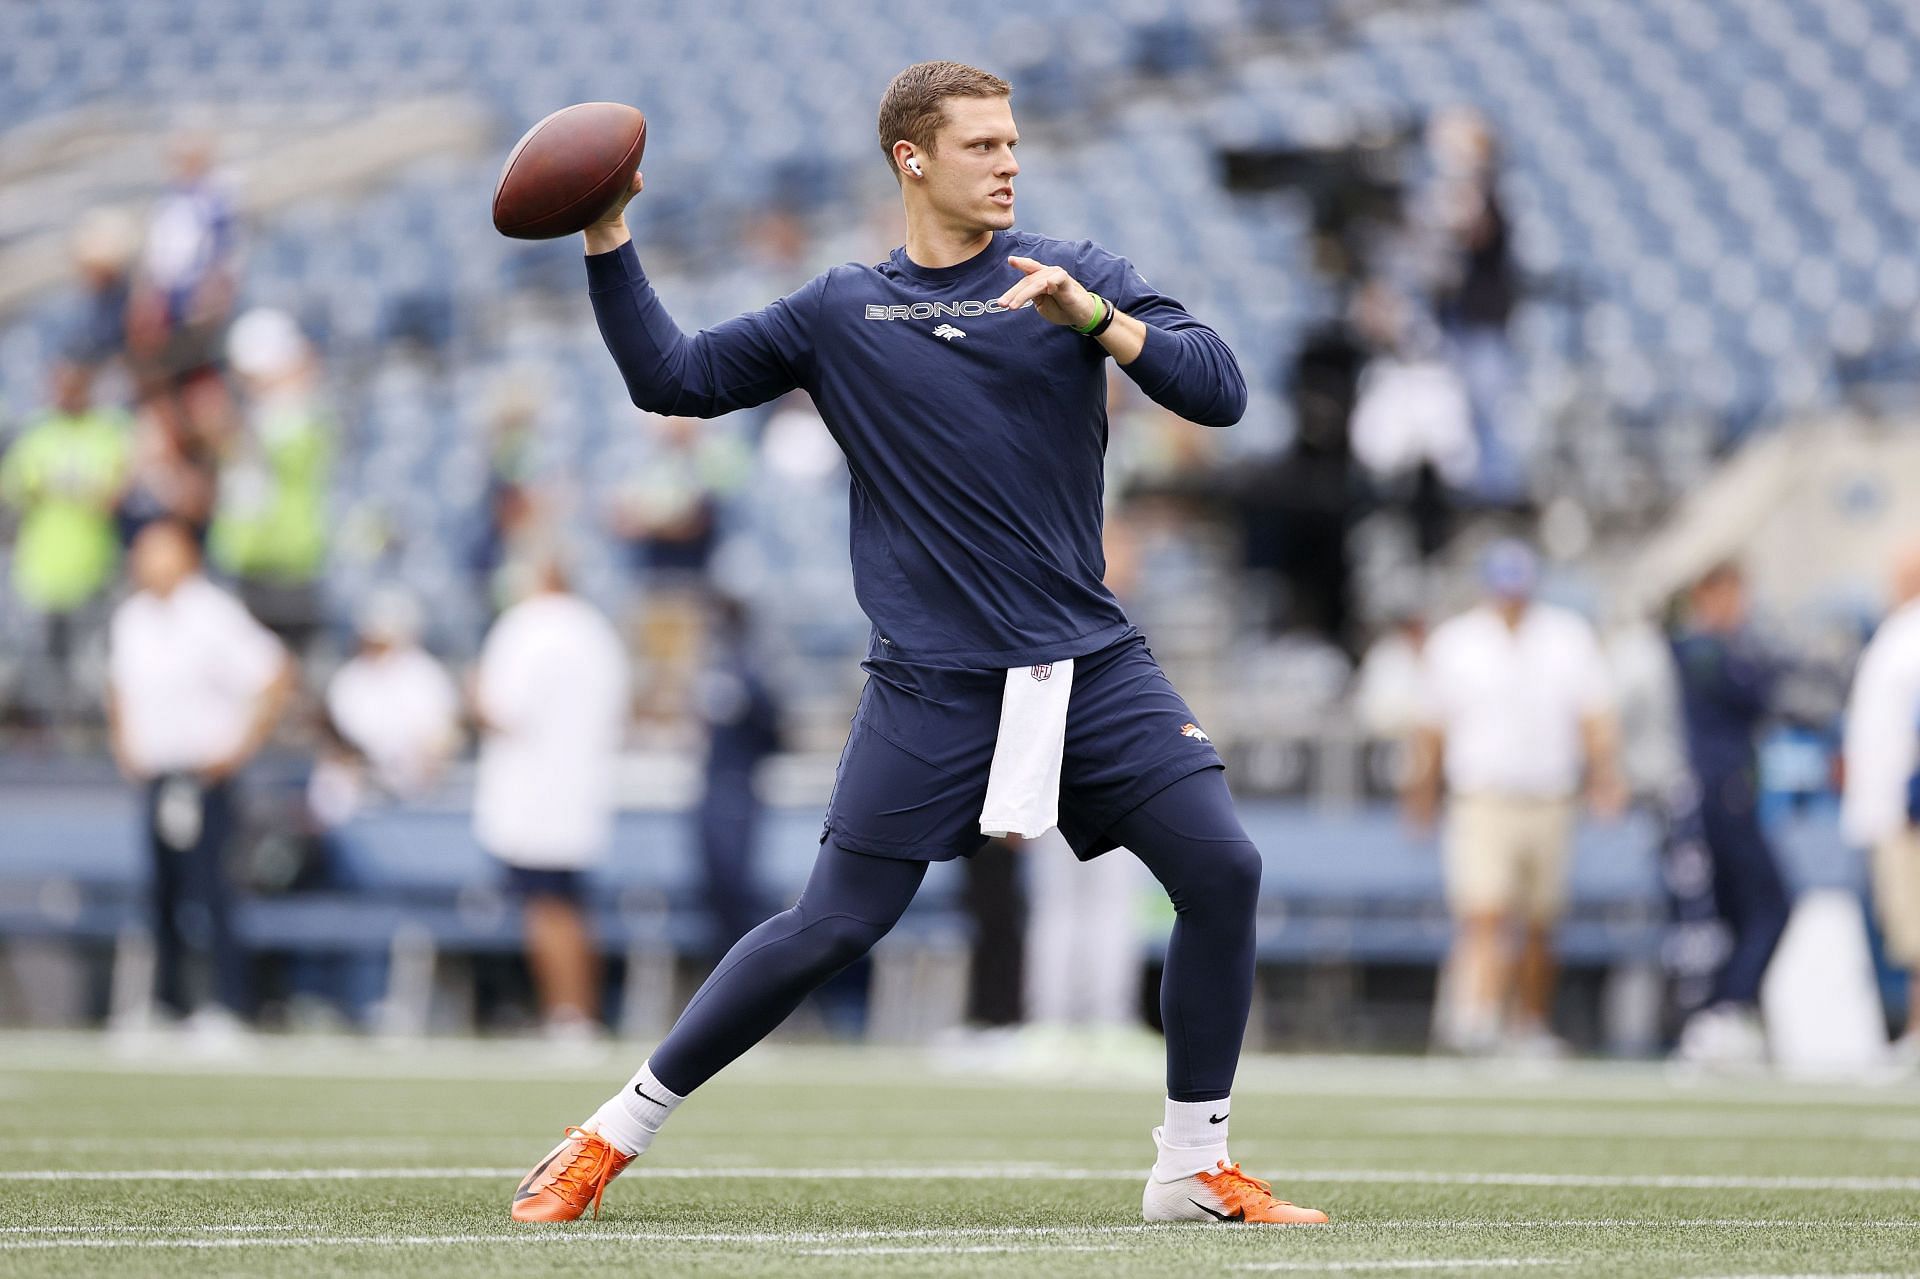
[[913, 776], [527, 882]]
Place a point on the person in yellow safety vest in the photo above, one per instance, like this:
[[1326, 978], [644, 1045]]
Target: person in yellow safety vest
[[64, 475]]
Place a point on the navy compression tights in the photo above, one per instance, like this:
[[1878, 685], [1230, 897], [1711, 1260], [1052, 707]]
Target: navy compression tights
[[1188, 836]]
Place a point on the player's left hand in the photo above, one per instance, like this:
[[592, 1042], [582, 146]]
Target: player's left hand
[[1056, 295]]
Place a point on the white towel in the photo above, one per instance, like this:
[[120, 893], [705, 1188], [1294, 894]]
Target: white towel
[[1023, 786]]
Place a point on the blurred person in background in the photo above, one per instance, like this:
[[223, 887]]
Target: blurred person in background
[[63, 475], [668, 513], [1879, 807], [1476, 286], [270, 526], [511, 504], [742, 719], [183, 292], [1726, 687], [173, 474], [1298, 511], [393, 702], [1084, 949], [1412, 425], [1389, 688], [1516, 702], [550, 696], [196, 686], [105, 244]]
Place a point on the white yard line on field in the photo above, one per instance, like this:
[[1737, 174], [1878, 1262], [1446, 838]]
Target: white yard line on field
[[1425, 1263], [941, 1250], [1015, 1172], [136, 1230], [1637, 1223], [263, 1174], [1612, 1124], [232, 1145]]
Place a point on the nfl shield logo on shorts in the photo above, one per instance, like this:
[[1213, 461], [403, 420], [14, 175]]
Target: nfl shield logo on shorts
[[1042, 671]]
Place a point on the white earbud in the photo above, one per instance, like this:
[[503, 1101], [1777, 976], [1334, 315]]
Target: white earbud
[[913, 166]]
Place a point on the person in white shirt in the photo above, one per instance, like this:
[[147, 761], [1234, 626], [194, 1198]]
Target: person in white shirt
[[1882, 749], [195, 686], [551, 694], [1085, 951], [1517, 704], [1389, 689], [393, 702]]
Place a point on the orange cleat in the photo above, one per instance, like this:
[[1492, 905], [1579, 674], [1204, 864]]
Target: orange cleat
[[568, 1181], [1224, 1195]]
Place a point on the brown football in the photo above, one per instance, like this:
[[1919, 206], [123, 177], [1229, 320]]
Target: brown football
[[568, 169]]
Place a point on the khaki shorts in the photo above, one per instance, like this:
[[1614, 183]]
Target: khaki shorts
[[1508, 856], [1896, 895]]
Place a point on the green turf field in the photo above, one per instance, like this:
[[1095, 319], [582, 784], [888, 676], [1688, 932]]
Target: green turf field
[[355, 1159]]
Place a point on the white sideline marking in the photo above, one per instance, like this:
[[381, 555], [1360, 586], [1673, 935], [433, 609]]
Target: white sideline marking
[[850, 1235], [231, 1145], [263, 1174], [133, 1230], [1639, 1223], [1597, 1181], [1571, 1122], [1464, 1263], [935, 1250], [1014, 1172]]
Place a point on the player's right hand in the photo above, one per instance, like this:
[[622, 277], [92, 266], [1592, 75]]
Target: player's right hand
[[617, 211]]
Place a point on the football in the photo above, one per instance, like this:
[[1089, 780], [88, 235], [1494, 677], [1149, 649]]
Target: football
[[568, 169]]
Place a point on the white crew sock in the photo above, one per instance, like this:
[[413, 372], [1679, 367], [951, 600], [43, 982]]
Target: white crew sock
[[1191, 1140], [631, 1118]]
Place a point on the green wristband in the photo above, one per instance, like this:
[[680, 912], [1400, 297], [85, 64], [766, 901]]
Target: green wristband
[[1086, 329]]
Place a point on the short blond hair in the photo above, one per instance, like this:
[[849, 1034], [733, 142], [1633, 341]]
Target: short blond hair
[[912, 107]]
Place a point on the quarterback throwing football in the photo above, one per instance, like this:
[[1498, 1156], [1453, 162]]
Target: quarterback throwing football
[[964, 378]]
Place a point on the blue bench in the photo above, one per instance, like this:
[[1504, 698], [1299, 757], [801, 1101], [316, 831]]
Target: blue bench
[[1360, 887], [1349, 886], [411, 885], [70, 863]]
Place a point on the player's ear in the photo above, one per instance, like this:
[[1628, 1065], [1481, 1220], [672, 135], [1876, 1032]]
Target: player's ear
[[906, 160]]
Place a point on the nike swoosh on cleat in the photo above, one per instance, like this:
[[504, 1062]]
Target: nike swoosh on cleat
[[1235, 1215], [523, 1192], [1218, 1119]]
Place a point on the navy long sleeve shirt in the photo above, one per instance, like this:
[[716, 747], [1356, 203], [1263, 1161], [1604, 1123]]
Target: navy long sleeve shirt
[[975, 436], [1726, 691]]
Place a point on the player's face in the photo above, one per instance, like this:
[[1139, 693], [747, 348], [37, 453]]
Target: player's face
[[970, 174]]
